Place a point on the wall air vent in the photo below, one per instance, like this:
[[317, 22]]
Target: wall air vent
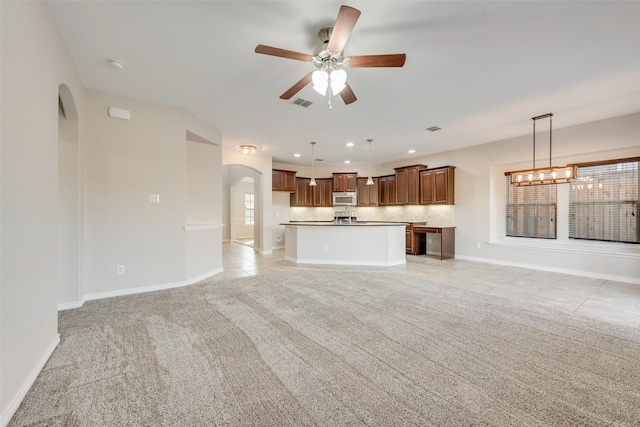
[[433, 128], [302, 102]]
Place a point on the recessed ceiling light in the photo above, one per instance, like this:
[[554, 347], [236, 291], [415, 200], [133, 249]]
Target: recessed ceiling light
[[349, 144], [412, 151], [347, 161], [296, 155]]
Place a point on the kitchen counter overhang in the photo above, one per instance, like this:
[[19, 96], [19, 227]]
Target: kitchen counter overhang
[[358, 243]]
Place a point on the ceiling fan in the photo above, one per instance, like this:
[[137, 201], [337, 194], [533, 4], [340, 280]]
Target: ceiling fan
[[330, 77]]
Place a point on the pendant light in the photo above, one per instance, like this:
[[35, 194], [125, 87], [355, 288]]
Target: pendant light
[[369, 179], [312, 183], [539, 176]]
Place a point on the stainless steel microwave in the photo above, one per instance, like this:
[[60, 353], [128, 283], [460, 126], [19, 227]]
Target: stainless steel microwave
[[345, 199]]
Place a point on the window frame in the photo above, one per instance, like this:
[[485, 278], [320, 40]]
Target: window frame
[[604, 208], [530, 224], [249, 209]]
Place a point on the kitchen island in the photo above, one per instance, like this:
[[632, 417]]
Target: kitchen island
[[357, 243]]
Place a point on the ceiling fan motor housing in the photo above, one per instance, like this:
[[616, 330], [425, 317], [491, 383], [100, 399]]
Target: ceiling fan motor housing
[[322, 58]]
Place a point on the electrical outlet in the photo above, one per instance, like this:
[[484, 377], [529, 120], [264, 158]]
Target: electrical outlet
[[326, 247], [478, 245], [120, 269]]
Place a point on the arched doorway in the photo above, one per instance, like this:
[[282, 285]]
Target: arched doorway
[[235, 178], [69, 290]]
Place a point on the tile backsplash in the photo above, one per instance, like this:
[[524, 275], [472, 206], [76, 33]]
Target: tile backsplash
[[434, 215]]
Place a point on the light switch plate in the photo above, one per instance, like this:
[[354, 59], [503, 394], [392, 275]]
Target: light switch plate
[[154, 198]]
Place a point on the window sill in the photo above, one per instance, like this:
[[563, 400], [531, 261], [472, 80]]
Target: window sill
[[612, 249]]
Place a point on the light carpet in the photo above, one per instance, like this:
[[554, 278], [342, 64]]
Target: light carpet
[[333, 348]]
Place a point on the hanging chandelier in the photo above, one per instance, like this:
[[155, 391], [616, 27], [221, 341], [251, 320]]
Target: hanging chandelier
[[544, 175]]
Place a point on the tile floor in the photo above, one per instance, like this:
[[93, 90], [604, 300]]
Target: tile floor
[[615, 302]]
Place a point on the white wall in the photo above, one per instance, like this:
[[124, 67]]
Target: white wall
[[203, 183], [69, 292], [123, 162], [203, 229], [34, 62]]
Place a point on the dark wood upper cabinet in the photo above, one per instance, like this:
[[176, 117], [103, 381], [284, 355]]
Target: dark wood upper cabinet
[[345, 181], [437, 186], [387, 190], [282, 180], [367, 194], [302, 195], [408, 184], [322, 193]]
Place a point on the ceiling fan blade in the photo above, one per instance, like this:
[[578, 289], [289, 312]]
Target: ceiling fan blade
[[347, 95], [392, 60], [297, 87], [346, 20], [274, 51]]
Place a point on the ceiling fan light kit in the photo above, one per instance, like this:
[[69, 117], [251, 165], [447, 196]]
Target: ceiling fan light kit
[[329, 59]]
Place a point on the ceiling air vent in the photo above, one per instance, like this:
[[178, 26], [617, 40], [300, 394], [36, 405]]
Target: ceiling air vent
[[302, 102], [433, 128]]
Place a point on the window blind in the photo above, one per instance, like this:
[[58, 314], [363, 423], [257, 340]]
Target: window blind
[[604, 201], [531, 210]]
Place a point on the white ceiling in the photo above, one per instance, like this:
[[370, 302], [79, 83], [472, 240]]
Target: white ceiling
[[479, 70]]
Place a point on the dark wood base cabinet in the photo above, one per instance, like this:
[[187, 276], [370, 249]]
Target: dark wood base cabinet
[[415, 242], [447, 240]]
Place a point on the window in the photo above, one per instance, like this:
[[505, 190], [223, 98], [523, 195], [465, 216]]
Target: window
[[248, 208], [531, 210], [604, 201]]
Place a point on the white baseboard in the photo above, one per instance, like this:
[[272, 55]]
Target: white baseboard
[[590, 274], [70, 305], [131, 291], [151, 288], [15, 402], [203, 276]]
